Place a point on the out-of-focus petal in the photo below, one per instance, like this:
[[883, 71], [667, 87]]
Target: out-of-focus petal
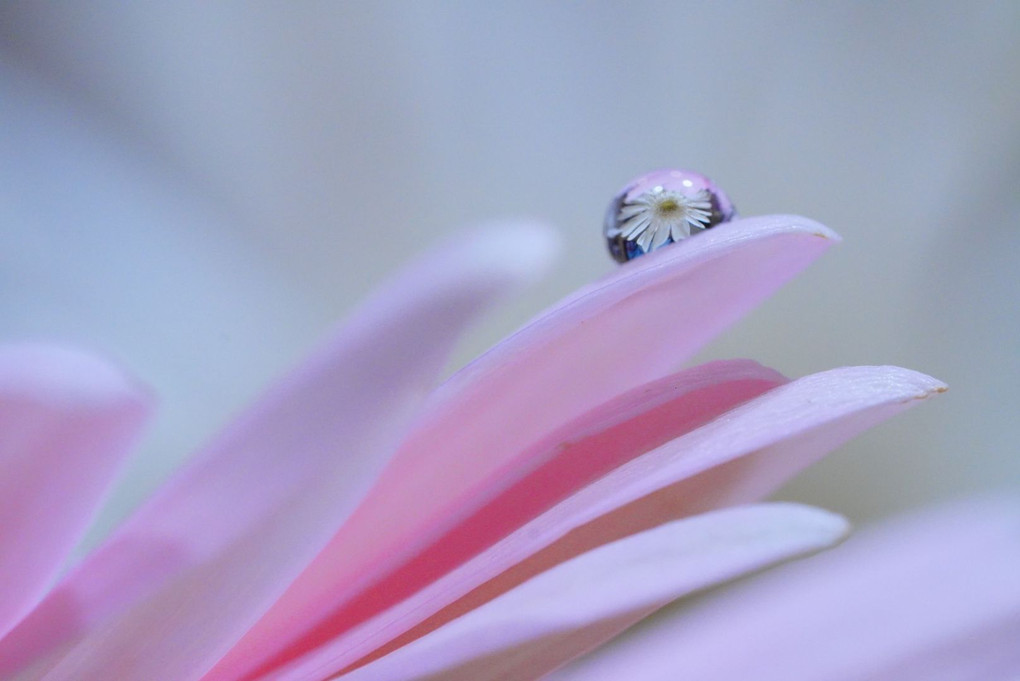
[[631, 328], [67, 420], [740, 457], [931, 597], [190, 572], [576, 606]]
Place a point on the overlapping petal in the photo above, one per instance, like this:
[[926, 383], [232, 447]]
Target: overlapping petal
[[290, 550], [739, 457], [935, 596], [67, 421], [195, 567], [577, 606], [633, 327]]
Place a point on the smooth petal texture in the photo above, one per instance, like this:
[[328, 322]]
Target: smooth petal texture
[[605, 339], [931, 597], [542, 475], [67, 421], [190, 572], [577, 606], [738, 458]]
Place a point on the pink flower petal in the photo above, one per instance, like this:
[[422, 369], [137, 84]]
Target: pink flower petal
[[740, 457], [931, 597], [544, 474], [580, 604], [633, 327], [67, 420], [198, 565]]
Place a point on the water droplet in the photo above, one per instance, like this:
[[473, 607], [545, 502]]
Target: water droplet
[[660, 208]]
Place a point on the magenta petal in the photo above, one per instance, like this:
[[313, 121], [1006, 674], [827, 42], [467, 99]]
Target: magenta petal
[[578, 605], [190, 572], [934, 597], [740, 457], [633, 327], [67, 420]]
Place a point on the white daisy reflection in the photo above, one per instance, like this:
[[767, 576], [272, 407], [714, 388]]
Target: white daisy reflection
[[652, 218]]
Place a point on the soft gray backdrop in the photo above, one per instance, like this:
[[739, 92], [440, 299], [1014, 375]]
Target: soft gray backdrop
[[201, 189]]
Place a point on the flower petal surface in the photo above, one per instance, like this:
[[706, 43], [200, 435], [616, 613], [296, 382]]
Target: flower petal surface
[[932, 597], [633, 327], [67, 421], [194, 568], [578, 605], [569, 458], [740, 457]]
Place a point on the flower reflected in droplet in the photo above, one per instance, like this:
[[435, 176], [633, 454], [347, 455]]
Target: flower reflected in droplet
[[660, 208]]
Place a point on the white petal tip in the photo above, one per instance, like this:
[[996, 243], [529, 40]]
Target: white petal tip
[[800, 223], [896, 383], [918, 386]]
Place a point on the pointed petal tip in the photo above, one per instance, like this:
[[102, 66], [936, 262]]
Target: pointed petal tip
[[789, 223], [935, 387], [907, 383], [58, 373]]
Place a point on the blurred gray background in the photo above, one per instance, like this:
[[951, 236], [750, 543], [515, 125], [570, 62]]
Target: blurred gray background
[[200, 190]]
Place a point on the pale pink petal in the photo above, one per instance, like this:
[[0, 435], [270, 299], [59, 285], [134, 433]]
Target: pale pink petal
[[740, 457], [578, 605], [930, 598], [67, 421], [542, 475], [199, 564], [633, 327]]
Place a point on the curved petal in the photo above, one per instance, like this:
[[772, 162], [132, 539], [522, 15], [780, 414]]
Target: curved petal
[[740, 457], [67, 421], [934, 596], [633, 327], [575, 607], [544, 474], [192, 570]]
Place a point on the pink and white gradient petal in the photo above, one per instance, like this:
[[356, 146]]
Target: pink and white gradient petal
[[932, 597], [178, 584], [580, 604], [67, 422], [635, 326], [348, 524], [569, 458], [737, 458]]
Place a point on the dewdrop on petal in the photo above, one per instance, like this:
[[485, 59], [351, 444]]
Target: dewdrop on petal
[[660, 208]]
